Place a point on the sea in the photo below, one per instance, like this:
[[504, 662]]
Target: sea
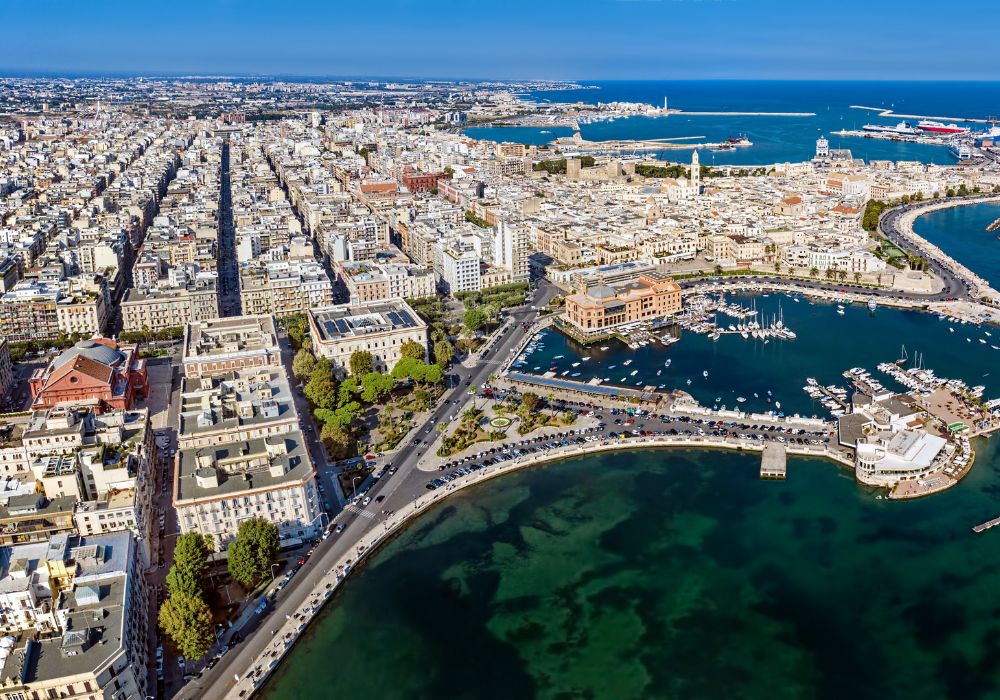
[[676, 574], [775, 139]]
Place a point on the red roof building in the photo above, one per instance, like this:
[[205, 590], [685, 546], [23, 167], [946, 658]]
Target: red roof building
[[98, 370]]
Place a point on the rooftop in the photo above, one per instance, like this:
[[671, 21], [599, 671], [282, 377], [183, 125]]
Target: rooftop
[[348, 321]]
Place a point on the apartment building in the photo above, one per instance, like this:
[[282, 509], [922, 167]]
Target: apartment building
[[75, 611], [283, 288], [157, 308], [220, 345], [457, 271], [242, 453]]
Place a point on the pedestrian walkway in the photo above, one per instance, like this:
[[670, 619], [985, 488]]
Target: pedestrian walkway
[[361, 512]]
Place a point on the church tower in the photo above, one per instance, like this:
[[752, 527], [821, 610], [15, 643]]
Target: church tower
[[695, 174]]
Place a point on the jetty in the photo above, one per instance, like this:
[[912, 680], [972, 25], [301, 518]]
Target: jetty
[[889, 113], [774, 462], [983, 527]]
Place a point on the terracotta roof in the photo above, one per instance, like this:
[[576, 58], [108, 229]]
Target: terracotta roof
[[83, 365]]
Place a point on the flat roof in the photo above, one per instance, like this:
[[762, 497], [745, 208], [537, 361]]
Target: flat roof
[[297, 468], [350, 321]]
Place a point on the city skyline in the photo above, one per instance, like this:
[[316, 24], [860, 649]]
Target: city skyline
[[594, 40]]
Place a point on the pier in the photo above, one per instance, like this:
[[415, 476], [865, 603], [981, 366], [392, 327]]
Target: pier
[[983, 527], [889, 114], [742, 114], [773, 462]]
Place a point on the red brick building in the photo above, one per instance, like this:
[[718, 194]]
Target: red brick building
[[92, 370], [421, 182]]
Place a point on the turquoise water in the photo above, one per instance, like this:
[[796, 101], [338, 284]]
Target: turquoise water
[[671, 575], [776, 139], [826, 346], [961, 232]]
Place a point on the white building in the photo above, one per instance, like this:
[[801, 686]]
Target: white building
[[512, 250], [379, 327], [457, 271], [242, 454]]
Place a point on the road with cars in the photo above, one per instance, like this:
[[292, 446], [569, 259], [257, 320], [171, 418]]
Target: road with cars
[[229, 276]]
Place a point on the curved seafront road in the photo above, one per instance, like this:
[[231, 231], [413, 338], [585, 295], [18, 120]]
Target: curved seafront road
[[897, 226]]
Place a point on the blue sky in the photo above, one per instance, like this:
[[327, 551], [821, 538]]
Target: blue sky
[[561, 39]]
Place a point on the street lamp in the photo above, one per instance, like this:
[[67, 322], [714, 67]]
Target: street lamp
[[354, 487], [272, 570]]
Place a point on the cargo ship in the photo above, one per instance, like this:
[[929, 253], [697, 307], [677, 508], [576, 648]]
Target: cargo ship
[[901, 129], [939, 128]]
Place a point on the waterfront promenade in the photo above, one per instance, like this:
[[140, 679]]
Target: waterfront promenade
[[897, 226], [289, 625]]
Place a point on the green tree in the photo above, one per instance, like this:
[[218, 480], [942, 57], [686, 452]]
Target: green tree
[[444, 352], [433, 374], [297, 326], [347, 391], [253, 551], [474, 319], [407, 368], [413, 349], [187, 575], [187, 620], [345, 415], [374, 386], [717, 269], [303, 365], [529, 401], [321, 390], [361, 363], [337, 439]]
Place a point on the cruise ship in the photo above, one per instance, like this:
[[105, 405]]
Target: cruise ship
[[902, 129], [939, 128]]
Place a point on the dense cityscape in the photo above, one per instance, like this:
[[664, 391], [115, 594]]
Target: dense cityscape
[[252, 328]]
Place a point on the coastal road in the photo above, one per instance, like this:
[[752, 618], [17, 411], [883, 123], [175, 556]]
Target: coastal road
[[398, 489], [891, 226]]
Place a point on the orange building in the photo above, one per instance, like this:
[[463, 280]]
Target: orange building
[[97, 370], [652, 295]]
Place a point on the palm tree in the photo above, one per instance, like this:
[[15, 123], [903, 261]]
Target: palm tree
[[777, 266], [857, 277], [813, 272], [842, 275]]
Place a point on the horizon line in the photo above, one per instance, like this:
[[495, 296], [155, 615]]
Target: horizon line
[[222, 75]]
